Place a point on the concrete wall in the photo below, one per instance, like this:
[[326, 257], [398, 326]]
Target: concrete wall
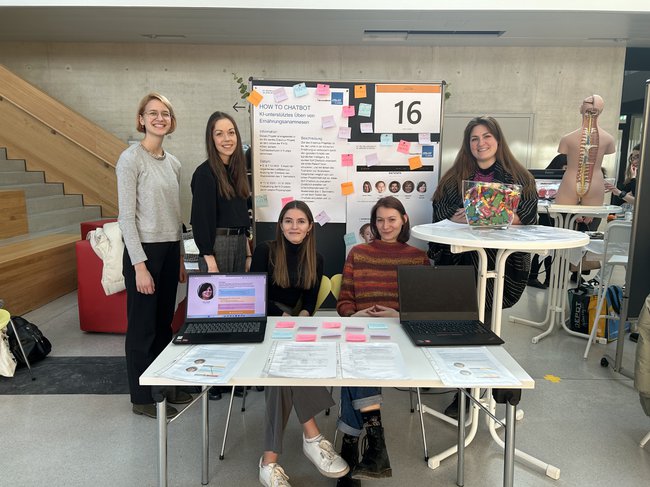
[[104, 82]]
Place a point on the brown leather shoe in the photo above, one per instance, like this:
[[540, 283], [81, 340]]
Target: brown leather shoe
[[150, 410]]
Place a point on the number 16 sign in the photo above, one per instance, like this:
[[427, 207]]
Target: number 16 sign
[[407, 109]]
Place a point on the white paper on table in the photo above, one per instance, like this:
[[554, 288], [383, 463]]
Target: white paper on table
[[307, 360], [214, 364], [465, 367], [372, 361]]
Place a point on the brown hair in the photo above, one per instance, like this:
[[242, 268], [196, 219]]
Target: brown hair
[[307, 273], [236, 166], [628, 169], [465, 165], [395, 204], [143, 103]]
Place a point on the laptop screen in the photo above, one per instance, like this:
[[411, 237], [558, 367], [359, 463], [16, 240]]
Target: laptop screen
[[228, 296], [437, 293]]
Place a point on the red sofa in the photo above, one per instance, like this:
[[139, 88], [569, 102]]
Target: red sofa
[[98, 312]]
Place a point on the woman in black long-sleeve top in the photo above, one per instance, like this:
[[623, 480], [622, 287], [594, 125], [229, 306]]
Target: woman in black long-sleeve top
[[295, 271], [220, 194]]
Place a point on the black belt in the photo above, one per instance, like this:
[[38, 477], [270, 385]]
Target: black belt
[[231, 231]]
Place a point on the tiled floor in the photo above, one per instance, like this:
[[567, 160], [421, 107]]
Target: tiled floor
[[588, 424]]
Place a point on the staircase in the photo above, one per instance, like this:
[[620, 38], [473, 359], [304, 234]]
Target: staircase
[[48, 209]]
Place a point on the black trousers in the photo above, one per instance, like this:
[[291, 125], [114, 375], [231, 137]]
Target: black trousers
[[149, 316]]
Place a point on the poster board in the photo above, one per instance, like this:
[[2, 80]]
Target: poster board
[[340, 146]]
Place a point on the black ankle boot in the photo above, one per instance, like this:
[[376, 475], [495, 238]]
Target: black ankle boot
[[374, 463], [349, 453]]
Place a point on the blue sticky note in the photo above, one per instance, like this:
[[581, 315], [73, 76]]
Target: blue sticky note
[[427, 151], [299, 90], [282, 335], [336, 98], [386, 139], [350, 238], [377, 326], [365, 109], [261, 201]]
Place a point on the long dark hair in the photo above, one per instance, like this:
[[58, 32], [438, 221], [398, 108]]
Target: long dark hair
[[236, 166], [395, 204], [307, 273], [465, 165]]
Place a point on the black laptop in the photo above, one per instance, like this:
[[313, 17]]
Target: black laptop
[[224, 308], [439, 307]]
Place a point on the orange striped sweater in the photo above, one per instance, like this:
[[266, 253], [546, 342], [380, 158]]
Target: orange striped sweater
[[370, 275]]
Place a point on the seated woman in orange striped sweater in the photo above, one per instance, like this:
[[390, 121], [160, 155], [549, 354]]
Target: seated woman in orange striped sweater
[[369, 288]]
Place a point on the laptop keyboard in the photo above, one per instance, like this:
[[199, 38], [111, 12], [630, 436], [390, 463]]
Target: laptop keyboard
[[211, 327], [447, 327]]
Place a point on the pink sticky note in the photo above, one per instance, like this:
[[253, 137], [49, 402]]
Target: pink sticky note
[[365, 128], [304, 337], [372, 159], [354, 328], [378, 335], [331, 324], [280, 94], [322, 89], [355, 337], [345, 132], [347, 111], [403, 146], [285, 324], [347, 159], [424, 139], [286, 199], [328, 122], [331, 334], [322, 218]]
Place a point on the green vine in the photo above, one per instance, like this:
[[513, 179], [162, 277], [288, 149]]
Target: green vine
[[242, 86]]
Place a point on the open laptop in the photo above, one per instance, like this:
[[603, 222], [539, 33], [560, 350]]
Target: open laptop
[[439, 307], [224, 308]]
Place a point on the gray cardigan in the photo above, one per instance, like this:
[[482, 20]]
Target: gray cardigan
[[148, 193]]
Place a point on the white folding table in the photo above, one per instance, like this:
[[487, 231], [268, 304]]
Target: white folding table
[[252, 373]]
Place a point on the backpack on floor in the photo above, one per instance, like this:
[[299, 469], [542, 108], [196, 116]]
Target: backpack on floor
[[35, 344]]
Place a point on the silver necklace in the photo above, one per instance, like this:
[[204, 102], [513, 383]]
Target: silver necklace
[[155, 156]]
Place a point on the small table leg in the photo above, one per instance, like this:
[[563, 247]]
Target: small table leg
[[206, 445], [460, 473], [511, 398], [161, 413]]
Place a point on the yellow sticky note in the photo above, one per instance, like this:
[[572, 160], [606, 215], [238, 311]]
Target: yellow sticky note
[[552, 378], [359, 91], [347, 188], [255, 97], [415, 162]]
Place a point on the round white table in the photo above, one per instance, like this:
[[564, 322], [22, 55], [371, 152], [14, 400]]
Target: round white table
[[517, 238], [565, 217]]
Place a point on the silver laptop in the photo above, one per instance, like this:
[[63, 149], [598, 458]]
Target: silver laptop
[[224, 308], [439, 307]]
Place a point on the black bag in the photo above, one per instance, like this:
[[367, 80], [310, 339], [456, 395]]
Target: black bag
[[35, 344], [579, 299]]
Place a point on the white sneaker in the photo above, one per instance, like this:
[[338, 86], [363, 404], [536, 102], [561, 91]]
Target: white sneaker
[[321, 453], [272, 475]]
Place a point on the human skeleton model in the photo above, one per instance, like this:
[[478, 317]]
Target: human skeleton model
[[583, 182]]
